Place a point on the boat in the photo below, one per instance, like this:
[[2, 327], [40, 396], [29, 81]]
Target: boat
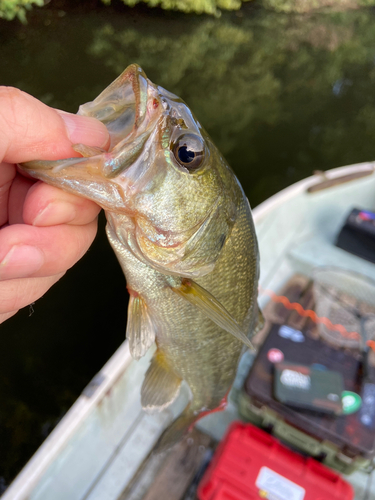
[[102, 448]]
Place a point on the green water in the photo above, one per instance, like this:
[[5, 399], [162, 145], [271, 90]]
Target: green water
[[281, 96]]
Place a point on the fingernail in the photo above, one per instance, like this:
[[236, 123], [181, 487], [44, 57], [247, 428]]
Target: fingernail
[[85, 130], [20, 262], [58, 212]]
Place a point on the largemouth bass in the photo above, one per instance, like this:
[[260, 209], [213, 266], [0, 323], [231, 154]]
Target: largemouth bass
[[182, 230]]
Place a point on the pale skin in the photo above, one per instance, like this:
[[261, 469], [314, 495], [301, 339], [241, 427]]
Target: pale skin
[[43, 230]]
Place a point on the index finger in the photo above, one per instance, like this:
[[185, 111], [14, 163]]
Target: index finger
[[48, 205]]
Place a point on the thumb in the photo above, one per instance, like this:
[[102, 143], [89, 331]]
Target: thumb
[[31, 130]]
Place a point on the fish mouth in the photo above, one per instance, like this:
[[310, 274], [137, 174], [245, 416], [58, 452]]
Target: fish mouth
[[122, 106], [129, 109]]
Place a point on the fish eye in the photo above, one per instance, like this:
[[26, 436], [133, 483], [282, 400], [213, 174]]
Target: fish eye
[[189, 151]]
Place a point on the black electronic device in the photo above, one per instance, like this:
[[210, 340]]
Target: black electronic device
[[357, 236]]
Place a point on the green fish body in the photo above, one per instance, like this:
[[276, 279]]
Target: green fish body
[[182, 230]]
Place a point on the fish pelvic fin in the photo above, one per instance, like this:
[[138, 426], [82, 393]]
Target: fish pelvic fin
[[176, 431], [160, 386], [139, 330], [206, 302]]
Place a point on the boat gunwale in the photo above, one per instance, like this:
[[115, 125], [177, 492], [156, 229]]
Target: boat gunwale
[[303, 185]]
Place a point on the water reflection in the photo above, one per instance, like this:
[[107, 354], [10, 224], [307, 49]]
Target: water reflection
[[280, 95]]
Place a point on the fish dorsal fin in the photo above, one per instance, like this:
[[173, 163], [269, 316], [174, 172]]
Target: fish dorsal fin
[[160, 386], [139, 330], [87, 151], [207, 303]]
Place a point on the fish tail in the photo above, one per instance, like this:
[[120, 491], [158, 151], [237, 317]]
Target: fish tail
[[176, 431], [184, 424]]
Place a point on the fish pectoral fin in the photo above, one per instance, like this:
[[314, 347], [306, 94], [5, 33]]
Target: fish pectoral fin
[[88, 151], [207, 303], [139, 330], [160, 386]]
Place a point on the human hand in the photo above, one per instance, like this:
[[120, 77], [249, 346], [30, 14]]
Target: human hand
[[43, 230]]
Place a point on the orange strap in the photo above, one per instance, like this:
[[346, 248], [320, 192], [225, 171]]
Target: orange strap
[[308, 313]]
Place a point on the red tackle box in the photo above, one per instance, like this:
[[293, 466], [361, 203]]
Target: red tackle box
[[250, 464]]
